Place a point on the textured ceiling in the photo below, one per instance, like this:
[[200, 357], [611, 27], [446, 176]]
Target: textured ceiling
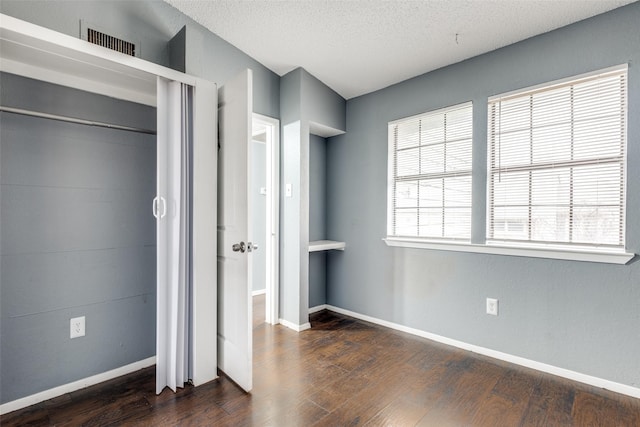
[[359, 46]]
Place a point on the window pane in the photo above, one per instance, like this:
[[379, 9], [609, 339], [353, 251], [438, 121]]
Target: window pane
[[408, 134], [432, 158], [593, 224], [457, 191], [551, 107], [459, 156], [408, 162], [552, 144], [513, 115], [433, 129], [513, 149], [431, 193], [431, 222], [550, 223], [550, 187], [458, 125], [406, 222], [407, 194], [597, 185], [510, 223], [457, 222], [510, 189], [600, 138]]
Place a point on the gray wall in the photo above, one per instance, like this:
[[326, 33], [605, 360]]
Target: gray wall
[[259, 210], [575, 315], [78, 237], [317, 219], [153, 24]]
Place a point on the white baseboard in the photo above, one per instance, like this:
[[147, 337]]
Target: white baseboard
[[23, 402], [539, 366], [259, 292], [318, 308], [297, 328]]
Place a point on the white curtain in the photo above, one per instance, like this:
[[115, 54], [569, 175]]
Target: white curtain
[[172, 211]]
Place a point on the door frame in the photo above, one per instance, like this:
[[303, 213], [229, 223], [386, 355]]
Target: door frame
[[272, 238]]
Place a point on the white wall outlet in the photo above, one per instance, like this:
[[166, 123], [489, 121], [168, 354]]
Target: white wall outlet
[[288, 190], [492, 306], [77, 327], [263, 190]]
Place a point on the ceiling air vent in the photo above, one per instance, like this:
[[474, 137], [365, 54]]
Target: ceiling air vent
[[110, 42]]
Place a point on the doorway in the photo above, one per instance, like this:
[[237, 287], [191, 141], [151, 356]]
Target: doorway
[[264, 193]]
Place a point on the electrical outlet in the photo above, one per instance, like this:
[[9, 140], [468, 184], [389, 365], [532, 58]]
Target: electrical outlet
[[77, 327], [492, 306], [288, 190]]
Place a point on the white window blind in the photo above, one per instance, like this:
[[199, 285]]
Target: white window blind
[[556, 163], [429, 190]]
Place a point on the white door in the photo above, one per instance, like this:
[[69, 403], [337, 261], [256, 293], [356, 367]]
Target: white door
[[234, 234]]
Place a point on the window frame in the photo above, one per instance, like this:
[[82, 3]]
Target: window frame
[[392, 179], [570, 245]]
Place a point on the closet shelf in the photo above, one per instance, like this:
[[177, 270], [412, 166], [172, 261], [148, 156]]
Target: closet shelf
[[325, 245]]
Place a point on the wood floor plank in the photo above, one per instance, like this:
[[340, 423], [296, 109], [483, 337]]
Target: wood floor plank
[[344, 372], [463, 389], [339, 392], [508, 400], [550, 404], [594, 409]]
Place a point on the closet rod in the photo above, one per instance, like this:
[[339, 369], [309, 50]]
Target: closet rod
[[74, 120]]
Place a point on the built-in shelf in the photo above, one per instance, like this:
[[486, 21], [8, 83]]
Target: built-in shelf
[[325, 245]]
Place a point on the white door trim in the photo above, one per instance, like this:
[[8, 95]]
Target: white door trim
[[272, 239]]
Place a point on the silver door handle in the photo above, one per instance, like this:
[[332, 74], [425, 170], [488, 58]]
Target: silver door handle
[[164, 207], [251, 247], [238, 247], [154, 207]]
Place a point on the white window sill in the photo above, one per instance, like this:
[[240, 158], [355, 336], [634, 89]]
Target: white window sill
[[571, 255]]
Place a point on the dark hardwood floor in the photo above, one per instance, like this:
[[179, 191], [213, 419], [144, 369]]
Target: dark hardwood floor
[[345, 372]]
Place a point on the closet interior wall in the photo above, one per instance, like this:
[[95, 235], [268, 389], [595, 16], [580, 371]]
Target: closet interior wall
[[317, 219], [77, 236]]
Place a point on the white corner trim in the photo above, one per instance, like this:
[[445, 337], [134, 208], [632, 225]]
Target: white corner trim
[[23, 402], [297, 328], [528, 363], [494, 249], [318, 308], [259, 292]]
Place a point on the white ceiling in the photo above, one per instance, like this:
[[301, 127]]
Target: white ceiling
[[359, 46]]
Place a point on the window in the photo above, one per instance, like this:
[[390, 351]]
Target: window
[[429, 190], [556, 164]]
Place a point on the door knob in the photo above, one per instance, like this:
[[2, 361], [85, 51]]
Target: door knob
[[238, 247], [251, 247]]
